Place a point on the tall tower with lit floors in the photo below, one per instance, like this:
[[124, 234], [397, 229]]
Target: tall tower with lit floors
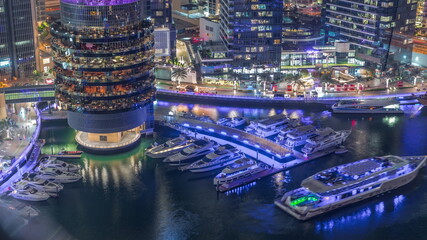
[[103, 55]]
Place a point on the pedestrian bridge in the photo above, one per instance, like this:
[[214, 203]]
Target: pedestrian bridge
[[36, 93]]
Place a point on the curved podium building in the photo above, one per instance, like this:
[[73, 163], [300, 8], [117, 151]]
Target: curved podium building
[[103, 55]]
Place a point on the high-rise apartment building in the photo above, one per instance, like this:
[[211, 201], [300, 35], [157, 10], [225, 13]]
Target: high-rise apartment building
[[46, 9], [17, 54], [369, 25], [103, 56], [252, 32]]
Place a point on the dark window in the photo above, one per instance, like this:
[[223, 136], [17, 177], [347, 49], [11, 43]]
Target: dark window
[[103, 138]]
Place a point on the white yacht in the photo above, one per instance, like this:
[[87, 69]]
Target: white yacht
[[58, 164], [41, 185], [221, 157], [326, 138], [223, 121], [349, 183], [240, 168], [283, 134], [271, 126], [28, 193], [199, 149], [299, 136], [55, 175], [367, 106], [251, 127], [170, 147], [236, 122]]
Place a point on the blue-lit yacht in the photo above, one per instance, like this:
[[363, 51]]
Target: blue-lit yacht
[[221, 157], [300, 136], [349, 183], [367, 106], [243, 167], [325, 139], [197, 150], [170, 147]]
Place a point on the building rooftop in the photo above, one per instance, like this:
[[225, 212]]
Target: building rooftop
[[99, 2]]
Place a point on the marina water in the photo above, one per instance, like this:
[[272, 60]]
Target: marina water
[[128, 196]]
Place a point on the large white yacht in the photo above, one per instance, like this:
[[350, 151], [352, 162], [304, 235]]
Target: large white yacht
[[349, 183], [52, 162], [271, 126], [325, 138], [221, 157], [199, 149], [170, 147], [28, 193], [223, 121], [236, 122], [367, 106], [55, 175], [283, 134], [300, 136], [240, 168]]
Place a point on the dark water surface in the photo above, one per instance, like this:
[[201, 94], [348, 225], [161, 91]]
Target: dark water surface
[[129, 196]]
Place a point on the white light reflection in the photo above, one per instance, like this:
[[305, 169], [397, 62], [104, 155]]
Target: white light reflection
[[240, 190]]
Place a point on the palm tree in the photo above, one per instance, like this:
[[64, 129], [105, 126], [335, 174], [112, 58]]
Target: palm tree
[[179, 74], [296, 80]]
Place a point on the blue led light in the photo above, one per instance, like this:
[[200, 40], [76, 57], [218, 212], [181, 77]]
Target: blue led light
[[235, 136], [211, 130], [186, 125], [256, 145], [198, 127], [245, 141], [223, 133], [268, 150]]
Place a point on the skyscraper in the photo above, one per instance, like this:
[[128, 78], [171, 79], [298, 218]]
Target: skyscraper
[[252, 31], [103, 55], [369, 25], [17, 56]]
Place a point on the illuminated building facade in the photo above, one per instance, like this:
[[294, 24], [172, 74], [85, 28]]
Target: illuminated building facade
[[252, 32], [103, 56], [369, 25], [17, 54]]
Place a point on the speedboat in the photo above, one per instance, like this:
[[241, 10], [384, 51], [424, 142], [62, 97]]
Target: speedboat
[[58, 164], [34, 180], [299, 136], [68, 154], [236, 122], [28, 193], [56, 175], [243, 167], [223, 121], [221, 157], [41, 184], [326, 138], [349, 183], [170, 147], [199, 149], [367, 106]]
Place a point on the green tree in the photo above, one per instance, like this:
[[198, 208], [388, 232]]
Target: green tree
[[179, 74]]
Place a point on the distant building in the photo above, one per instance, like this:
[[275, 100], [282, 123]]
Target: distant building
[[17, 47], [162, 40], [210, 29], [369, 26], [252, 32], [47, 9]]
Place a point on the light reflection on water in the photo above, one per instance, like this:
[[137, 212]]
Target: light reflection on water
[[141, 197]]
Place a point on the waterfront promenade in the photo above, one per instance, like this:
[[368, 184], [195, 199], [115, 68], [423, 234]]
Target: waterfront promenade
[[21, 142]]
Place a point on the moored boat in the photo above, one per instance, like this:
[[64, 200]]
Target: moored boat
[[170, 147], [367, 106], [240, 168], [28, 193], [349, 183], [221, 157], [199, 149]]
